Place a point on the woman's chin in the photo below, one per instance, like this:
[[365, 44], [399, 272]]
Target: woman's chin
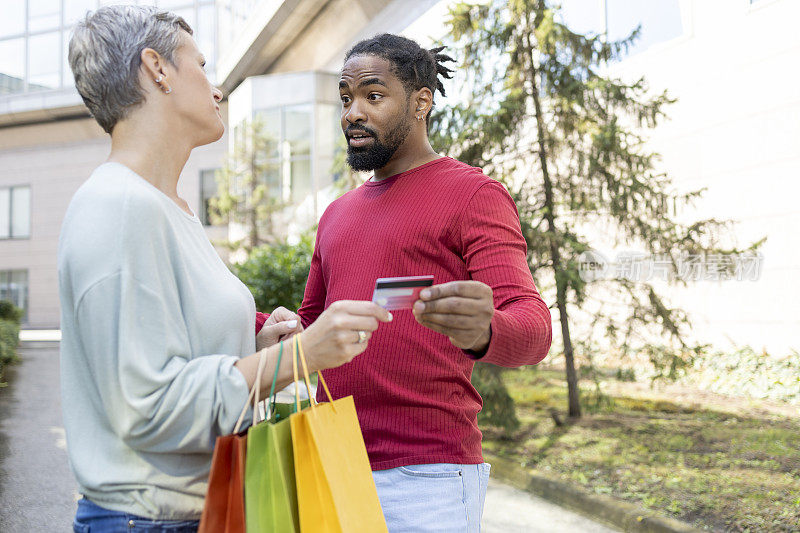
[[213, 133]]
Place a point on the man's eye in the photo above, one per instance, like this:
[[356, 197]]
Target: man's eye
[[345, 99], [375, 96]]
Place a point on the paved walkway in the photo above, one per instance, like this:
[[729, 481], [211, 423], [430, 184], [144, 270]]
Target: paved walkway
[[511, 510], [38, 492]]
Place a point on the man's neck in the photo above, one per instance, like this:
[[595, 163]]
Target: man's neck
[[402, 163]]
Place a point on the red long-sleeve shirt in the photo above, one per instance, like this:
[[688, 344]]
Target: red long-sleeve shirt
[[411, 386]]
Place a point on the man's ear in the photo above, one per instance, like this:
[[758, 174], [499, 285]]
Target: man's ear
[[424, 103], [155, 68]]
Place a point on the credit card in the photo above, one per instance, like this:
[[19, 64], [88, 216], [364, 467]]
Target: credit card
[[399, 293]]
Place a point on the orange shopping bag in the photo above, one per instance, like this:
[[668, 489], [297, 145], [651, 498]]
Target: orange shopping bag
[[335, 489], [223, 510]]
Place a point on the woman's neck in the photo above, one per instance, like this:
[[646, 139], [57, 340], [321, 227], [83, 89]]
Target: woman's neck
[[153, 152]]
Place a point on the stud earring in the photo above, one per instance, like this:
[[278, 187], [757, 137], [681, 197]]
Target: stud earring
[[167, 91], [159, 79]]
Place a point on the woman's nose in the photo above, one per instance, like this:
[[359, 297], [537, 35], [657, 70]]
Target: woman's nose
[[217, 94]]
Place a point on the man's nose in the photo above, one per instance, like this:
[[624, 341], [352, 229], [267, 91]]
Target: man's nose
[[355, 114]]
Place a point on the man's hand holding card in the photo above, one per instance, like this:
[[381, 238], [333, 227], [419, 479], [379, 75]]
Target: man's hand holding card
[[462, 310]]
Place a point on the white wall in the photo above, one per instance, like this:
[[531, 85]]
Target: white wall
[[736, 130]]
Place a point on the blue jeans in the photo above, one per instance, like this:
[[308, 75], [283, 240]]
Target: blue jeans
[[91, 518], [439, 498]]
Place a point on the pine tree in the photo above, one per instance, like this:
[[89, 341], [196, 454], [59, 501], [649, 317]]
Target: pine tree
[[568, 140], [243, 192]]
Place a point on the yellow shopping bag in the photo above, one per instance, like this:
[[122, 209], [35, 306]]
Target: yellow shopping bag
[[335, 489]]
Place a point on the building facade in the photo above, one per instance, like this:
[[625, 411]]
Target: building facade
[[733, 132], [279, 57]]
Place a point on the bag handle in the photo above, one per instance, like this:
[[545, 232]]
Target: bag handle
[[297, 349], [294, 375], [261, 361], [319, 374], [272, 393]]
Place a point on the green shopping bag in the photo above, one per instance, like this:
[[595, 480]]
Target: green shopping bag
[[269, 485]]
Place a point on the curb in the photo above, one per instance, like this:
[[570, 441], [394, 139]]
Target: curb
[[623, 515]]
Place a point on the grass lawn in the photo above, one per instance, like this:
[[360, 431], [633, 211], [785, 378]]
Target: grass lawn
[[717, 467]]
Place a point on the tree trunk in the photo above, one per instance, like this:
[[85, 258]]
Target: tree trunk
[[252, 213], [561, 282]]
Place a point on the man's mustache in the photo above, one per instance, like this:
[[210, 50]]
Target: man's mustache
[[352, 130]]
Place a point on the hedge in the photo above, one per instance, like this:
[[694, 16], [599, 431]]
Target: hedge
[[9, 334]]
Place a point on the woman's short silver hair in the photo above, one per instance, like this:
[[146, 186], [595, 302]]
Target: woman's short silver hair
[[105, 56]]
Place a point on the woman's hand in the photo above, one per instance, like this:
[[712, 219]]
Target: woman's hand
[[280, 325], [341, 333]]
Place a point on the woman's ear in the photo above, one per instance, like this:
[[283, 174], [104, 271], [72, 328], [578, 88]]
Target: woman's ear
[[155, 69]]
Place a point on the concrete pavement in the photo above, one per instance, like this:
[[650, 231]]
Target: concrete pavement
[[38, 491], [512, 510]]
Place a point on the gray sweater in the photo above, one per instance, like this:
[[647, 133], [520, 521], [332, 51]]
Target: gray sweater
[[152, 322]]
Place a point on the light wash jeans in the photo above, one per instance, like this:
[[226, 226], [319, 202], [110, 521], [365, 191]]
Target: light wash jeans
[[91, 518], [439, 498]]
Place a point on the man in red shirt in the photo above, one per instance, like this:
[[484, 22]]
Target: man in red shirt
[[422, 214]]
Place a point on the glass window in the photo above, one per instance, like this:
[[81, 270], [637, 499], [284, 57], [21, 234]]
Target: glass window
[[272, 179], [329, 129], [20, 212], [12, 66], [74, 10], [44, 61], [286, 142], [298, 129], [301, 180], [5, 213], [13, 20], [208, 190], [271, 131], [15, 212], [44, 15], [204, 35], [14, 287]]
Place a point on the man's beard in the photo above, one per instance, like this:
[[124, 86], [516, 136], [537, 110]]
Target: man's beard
[[378, 154]]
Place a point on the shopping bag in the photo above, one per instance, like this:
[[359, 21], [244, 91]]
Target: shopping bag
[[335, 489], [270, 491], [223, 510]]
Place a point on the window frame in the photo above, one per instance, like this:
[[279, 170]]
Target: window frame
[[26, 296], [10, 189]]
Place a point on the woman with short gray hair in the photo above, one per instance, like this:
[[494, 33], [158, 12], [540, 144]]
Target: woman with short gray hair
[[158, 342]]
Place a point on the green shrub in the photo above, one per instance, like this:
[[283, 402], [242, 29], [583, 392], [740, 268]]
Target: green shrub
[[277, 274], [10, 312], [9, 339]]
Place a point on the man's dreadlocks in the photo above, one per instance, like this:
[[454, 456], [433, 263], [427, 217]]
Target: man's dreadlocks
[[415, 66]]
